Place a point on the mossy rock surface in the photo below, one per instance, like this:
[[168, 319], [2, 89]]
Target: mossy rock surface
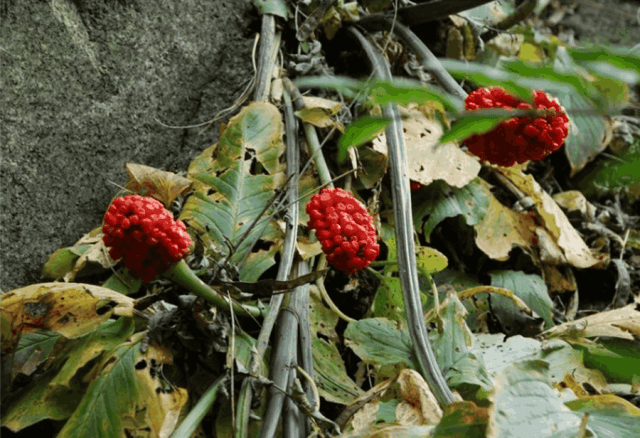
[[89, 85]]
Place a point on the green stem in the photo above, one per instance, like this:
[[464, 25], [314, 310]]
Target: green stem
[[182, 274]]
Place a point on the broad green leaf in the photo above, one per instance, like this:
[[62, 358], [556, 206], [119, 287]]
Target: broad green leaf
[[620, 57], [387, 411], [455, 339], [617, 359], [123, 282], [430, 260], [440, 201], [562, 358], [106, 337], [40, 401], [401, 91], [498, 353], [613, 174], [378, 341], [62, 261], [461, 281], [608, 423], [360, 132], [464, 370], [473, 122], [468, 375], [32, 350], [590, 132], [111, 397], [241, 355], [530, 288], [388, 302], [331, 377], [609, 415], [234, 181], [489, 76], [525, 402]]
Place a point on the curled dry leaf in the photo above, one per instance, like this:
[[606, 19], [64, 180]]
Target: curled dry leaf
[[502, 228], [427, 158], [553, 219], [623, 323], [158, 184], [417, 406], [320, 112]]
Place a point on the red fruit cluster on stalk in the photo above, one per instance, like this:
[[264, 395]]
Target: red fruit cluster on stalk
[[518, 139], [344, 228], [143, 233]]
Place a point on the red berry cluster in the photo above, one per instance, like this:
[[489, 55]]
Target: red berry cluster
[[518, 139], [344, 228], [144, 234]]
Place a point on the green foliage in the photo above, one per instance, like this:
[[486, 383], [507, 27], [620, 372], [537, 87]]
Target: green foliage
[[62, 261], [111, 397], [235, 180], [378, 341], [441, 201], [360, 132], [530, 288]]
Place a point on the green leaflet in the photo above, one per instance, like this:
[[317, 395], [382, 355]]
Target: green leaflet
[[234, 181]]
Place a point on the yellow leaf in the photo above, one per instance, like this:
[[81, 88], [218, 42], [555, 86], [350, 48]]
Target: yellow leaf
[[70, 309], [158, 184]]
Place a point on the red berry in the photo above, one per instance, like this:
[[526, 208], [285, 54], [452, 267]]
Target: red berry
[[344, 228], [518, 139], [141, 232]]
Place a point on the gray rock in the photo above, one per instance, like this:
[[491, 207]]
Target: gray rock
[[89, 85]]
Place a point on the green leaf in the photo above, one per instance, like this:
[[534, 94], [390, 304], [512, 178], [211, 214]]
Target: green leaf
[[474, 122], [387, 411], [530, 288], [456, 339], [334, 384], [620, 57], [498, 354], [360, 132], [111, 397], [488, 76], [378, 341], [402, 91], [106, 337], [332, 380], [234, 181], [32, 350], [464, 370], [40, 401], [430, 260], [608, 419], [612, 174], [524, 402], [440, 201], [62, 261], [244, 346], [388, 302], [123, 282], [619, 360]]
